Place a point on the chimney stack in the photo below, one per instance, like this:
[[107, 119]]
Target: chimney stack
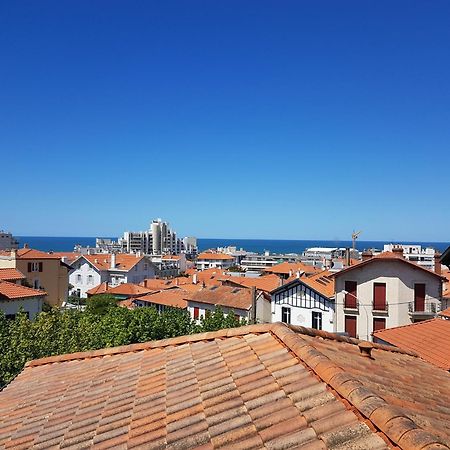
[[113, 260], [253, 294], [366, 349], [398, 251], [366, 254], [437, 263], [347, 257], [194, 278]]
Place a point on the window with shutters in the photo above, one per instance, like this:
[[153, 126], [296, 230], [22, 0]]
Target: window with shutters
[[379, 296], [379, 323], [196, 312], [350, 326], [350, 300]]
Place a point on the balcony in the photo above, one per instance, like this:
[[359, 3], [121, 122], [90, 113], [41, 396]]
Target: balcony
[[422, 312], [380, 309], [351, 305]]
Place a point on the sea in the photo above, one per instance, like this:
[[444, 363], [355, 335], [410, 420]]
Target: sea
[[66, 244]]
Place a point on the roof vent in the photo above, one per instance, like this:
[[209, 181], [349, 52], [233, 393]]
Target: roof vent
[[366, 349]]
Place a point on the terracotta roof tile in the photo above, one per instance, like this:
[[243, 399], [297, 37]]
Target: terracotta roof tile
[[287, 268], [30, 253], [259, 386], [227, 296], [266, 283], [102, 261], [173, 297], [128, 289], [217, 256], [445, 313], [11, 275], [430, 339], [13, 291]]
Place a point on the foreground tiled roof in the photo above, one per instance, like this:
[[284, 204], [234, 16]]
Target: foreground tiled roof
[[11, 275], [261, 386], [13, 291], [430, 339], [322, 282], [287, 268]]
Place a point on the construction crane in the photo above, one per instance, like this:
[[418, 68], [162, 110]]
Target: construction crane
[[354, 237]]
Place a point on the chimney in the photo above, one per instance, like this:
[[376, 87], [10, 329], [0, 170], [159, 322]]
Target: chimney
[[106, 286], [366, 254], [437, 263], [253, 294], [113, 260], [26, 245], [398, 251], [194, 279], [347, 257], [297, 274], [366, 349], [290, 273]]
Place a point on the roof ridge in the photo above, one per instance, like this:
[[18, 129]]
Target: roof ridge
[[392, 421]]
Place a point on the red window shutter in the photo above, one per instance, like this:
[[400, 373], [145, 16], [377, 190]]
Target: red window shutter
[[379, 324], [29, 267], [196, 312], [350, 298], [419, 297], [379, 296], [350, 325], [40, 267]]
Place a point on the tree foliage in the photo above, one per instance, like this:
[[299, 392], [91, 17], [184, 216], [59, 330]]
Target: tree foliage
[[101, 325]]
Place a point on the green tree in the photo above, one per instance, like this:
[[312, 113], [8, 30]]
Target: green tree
[[100, 304]]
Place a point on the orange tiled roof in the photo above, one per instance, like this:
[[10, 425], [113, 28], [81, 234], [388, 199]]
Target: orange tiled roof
[[175, 298], [286, 267], [389, 256], [129, 289], [124, 261], [260, 386], [266, 283], [11, 275], [171, 257], [218, 256], [227, 296], [70, 256], [322, 282], [13, 291], [30, 253], [445, 313], [128, 303], [430, 339], [157, 284]]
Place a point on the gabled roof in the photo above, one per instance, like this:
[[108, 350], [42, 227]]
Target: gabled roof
[[228, 296], [102, 261], [445, 257], [322, 283], [430, 339], [30, 253], [175, 298], [13, 291], [156, 284], [266, 283], [287, 268], [387, 256], [128, 289], [218, 256], [260, 386], [11, 275]]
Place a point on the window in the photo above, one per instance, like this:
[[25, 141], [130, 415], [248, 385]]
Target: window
[[78, 278], [350, 326], [286, 314], [35, 267], [350, 300], [419, 297], [90, 279], [379, 324], [379, 296], [10, 316], [317, 320], [196, 312], [36, 284]]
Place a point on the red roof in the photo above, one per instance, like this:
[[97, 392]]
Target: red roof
[[430, 339], [218, 256], [102, 261], [227, 296], [445, 313], [260, 386], [128, 289], [387, 256], [288, 268], [13, 291], [11, 275], [30, 253], [175, 298], [266, 283]]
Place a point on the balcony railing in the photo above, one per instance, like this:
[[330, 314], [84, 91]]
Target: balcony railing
[[351, 304], [428, 308], [380, 308]]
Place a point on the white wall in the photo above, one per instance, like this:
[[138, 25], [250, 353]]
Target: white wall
[[32, 305], [206, 306], [83, 269]]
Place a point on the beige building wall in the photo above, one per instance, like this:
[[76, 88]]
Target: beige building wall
[[400, 279]]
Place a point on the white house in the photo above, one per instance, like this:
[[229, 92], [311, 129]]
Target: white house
[[384, 291], [305, 301], [91, 270], [208, 260]]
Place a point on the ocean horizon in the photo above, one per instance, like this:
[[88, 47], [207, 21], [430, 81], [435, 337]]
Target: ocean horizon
[[66, 244]]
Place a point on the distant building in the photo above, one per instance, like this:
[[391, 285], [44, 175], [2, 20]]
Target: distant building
[[209, 260], [260, 262], [91, 270], [7, 241], [415, 253], [384, 291], [42, 270]]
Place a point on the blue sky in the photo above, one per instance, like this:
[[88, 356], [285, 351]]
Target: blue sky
[[239, 119]]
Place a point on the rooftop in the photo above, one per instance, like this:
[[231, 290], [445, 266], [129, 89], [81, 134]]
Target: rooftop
[[11, 275], [175, 298], [430, 339], [228, 296], [102, 261], [218, 256], [29, 253], [260, 386], [13, 291], [128, 289], [266, 283], [288, 268]]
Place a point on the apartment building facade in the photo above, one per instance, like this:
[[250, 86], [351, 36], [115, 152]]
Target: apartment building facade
[[384, 291], [209, 260]]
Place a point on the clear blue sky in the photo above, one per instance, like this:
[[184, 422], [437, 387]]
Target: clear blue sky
[[265, 119]]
